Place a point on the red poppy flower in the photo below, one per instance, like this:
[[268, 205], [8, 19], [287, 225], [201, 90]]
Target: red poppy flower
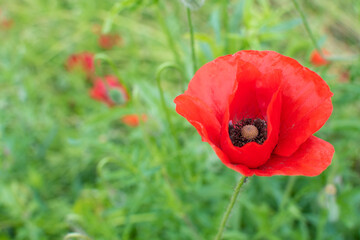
[[133, 120], [317, 60], [110, 91], [258, 111], [82, 61], [108, 41]]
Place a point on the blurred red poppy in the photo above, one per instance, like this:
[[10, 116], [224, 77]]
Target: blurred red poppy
[[133, 120], [7, 24], [83, 62], [108, 41], [258, 111], [109, 91], [317, 60], [344, 76]]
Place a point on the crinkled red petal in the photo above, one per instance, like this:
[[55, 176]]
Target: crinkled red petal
[[201, 116], [253, 154], [214, 82], [311, 159], [306, 103], [205, 122]]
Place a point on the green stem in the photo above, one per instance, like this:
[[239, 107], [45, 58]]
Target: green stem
[[192, 39], [170, 39], [226, 24], [277, 221], [160, 69], [229, 208], [288, 189], [178, 206], [168, 33], [182, 214], [307, 27], [173, 132]]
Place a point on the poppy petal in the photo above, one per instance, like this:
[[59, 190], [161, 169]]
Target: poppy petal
[[201, 116], [214, 82], [244, 170], [311, 159], [243, 99], [306, 103], [253, 154]]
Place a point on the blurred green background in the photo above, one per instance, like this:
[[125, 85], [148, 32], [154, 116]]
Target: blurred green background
[[69, 168]]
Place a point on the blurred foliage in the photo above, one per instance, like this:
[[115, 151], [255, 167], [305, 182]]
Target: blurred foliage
[[69, 168]]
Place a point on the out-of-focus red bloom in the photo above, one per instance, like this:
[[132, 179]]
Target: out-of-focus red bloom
[[109, 91], [259, 110], [317, 60], [83, 62], [133, 120], [344, 77], [7, 24], [108, 41]]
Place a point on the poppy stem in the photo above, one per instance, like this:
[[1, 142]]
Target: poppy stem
[[160, 69], [106, 58], [307, 27], [192, 39], [167, 31], [230, 207], [226, 23], [170, 39]]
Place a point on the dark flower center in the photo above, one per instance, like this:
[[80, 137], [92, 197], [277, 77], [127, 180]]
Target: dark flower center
[[248, 130]]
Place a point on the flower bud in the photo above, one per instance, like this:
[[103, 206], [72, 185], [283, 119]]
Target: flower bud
[[117, 96], [193, 4]]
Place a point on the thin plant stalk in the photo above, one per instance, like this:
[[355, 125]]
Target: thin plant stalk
[[185, 218], [307, 26], [168, 34], [284, 201], [230, 207], [288, 189], [225, 5], [192, 39], [171, 40], [155, 152], [160, 69]]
